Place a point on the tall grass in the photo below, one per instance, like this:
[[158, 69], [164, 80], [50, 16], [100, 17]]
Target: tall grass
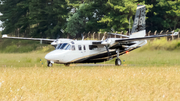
[[162, 44], [92, 83], [22, 59], [150, 58], [134, 58], [22, 46]]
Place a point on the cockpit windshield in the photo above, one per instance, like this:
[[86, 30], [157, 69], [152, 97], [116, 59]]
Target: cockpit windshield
[[58, 46], [64, 46]]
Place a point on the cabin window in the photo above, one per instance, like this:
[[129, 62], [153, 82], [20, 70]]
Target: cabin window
[[84, 47], [73, 47], [92, 47], [68, 47], [79, 46]]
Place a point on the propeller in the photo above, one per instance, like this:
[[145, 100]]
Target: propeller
[[109, 54], [119, 35]]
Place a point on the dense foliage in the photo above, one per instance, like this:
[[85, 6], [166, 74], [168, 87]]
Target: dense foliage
[[60, 18]]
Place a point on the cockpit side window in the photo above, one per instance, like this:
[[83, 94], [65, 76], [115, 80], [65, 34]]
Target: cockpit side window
[[68, 47], [73, 47], [79, 46]]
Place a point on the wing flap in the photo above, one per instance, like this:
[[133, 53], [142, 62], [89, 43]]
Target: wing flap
[[143, 38]]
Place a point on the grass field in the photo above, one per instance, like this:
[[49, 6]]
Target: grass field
[[90, 83], [135, 58], [144, 76]]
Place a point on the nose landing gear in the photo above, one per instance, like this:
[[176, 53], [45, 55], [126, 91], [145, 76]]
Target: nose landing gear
[[49, 64], [118, 61]]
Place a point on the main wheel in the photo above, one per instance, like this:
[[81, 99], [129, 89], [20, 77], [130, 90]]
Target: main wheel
[[67, 64], [118, 62], [49, 64]]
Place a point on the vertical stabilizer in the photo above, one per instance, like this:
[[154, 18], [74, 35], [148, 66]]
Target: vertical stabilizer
[[139, 26]]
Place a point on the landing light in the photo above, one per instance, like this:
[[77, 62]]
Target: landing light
[[127, 52]]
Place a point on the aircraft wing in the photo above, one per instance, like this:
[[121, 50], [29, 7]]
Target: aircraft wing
[[143, 38], [128, 41], [23, 38]]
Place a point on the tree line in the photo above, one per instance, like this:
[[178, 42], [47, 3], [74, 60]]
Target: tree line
[[62, 18]]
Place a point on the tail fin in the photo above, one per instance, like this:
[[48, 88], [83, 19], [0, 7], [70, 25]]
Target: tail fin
[[139, 26]]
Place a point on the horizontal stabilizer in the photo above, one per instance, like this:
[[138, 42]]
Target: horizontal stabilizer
[[4, 36]]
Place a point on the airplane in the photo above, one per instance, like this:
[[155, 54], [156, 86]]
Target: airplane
[[70, 51]]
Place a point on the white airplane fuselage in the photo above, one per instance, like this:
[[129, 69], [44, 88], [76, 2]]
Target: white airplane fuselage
[[83, 51], [80, 53]]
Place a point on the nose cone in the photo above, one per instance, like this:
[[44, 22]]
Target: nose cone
[[49, 56], [55, 55]]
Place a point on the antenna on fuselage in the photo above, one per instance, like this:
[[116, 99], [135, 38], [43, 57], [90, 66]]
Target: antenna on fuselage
[[102, 38], [82, 36], [129, 26]]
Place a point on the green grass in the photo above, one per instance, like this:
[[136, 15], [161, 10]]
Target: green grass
[[23, 53], [22, 46], [150, 58], [134, 58]]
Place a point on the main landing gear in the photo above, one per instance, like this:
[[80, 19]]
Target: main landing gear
[[118, 61], [67, 64], [49, 64]]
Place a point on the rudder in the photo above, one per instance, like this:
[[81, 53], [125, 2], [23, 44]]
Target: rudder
[[139, 25]]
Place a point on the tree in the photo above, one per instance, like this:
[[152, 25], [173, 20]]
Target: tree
[[15, 16], [164, 15], [36, 18], [76, 22], [85, 18], [48, 17]]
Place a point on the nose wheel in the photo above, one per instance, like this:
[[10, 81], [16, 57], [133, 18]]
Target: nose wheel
[[49, 64]]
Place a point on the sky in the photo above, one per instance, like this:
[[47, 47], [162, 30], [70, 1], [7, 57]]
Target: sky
[[0, 23]]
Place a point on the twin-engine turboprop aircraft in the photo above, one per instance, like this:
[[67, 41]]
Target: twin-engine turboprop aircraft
[[89, 51]]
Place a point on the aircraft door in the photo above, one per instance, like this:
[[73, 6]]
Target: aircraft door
[[80, 47], [84, 48]]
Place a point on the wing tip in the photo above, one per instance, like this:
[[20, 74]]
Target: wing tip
[[4, 36]]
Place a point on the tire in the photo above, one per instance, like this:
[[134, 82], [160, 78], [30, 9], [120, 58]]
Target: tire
[[49, 64], [67, 64], [118, 62]]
